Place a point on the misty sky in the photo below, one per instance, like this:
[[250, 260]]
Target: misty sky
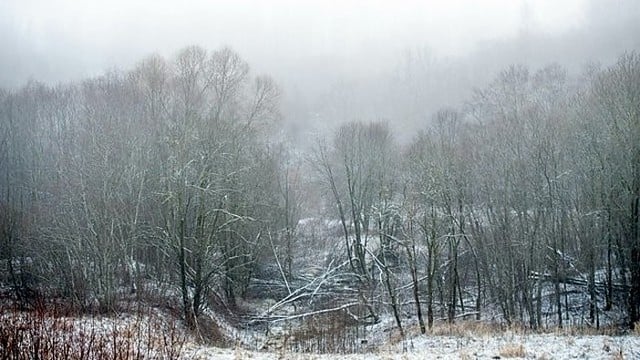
[[55, 40], [309, 46]]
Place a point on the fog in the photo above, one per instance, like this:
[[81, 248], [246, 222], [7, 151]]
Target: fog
[[335, 60], [309, 176]]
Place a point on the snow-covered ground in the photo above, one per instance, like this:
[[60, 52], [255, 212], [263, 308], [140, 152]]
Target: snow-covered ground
[[507, 345], [148, 334]]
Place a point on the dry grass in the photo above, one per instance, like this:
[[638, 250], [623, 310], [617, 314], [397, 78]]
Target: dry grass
[[481, 328], [45, 333], [617, 355], [477, 328], [584, 330], [610, 347], [464, 355], [513, 351], [395, 337]]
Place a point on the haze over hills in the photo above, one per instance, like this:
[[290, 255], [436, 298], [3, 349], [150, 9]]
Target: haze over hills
[[319, 51]]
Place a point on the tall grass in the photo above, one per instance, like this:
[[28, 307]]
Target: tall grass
[[52, 332]]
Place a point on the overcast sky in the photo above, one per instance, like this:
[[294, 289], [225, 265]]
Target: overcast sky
[[55, 40], [310, 46]]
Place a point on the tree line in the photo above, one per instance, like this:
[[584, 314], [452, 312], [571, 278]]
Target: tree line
[[172, 171]]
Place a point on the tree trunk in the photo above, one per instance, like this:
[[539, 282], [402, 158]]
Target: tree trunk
[[415, 285], [187, 307], [634, 294]]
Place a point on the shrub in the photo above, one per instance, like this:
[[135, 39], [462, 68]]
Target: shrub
[[45, 334]]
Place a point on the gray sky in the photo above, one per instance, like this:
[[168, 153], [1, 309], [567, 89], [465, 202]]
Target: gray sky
[[335, 59], [55, 40]]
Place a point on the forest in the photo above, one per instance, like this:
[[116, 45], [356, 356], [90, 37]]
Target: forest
[[171, 182]]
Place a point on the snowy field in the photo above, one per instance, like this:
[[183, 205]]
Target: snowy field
[[543, 346], [155, 335]]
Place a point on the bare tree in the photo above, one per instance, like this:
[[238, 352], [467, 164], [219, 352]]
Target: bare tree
[[616, 94]]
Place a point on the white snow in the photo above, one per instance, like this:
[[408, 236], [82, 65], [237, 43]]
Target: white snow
[[535, 346], [458, 342]]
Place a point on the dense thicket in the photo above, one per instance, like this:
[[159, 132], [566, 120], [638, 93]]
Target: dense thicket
[[158, 172], [169, 173]]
